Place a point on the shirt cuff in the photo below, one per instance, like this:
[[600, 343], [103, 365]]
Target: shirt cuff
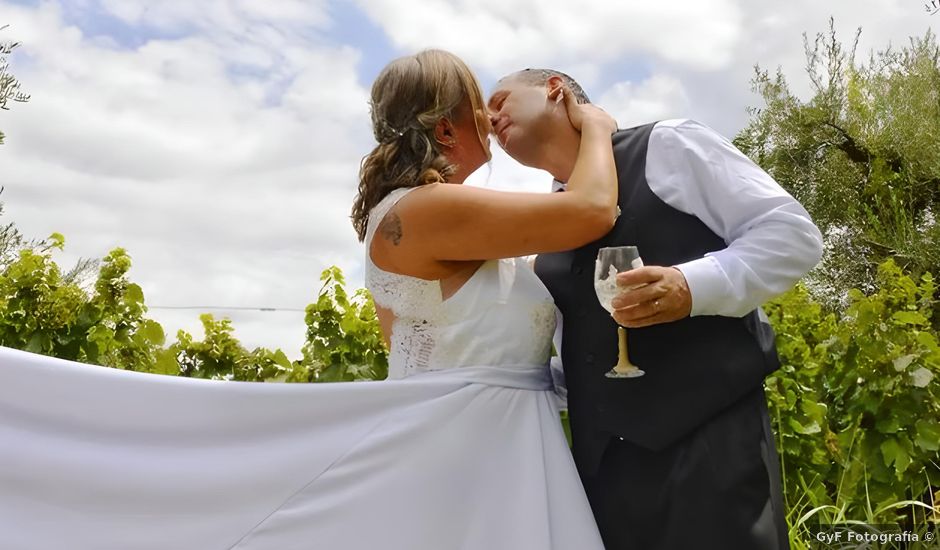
[[707, 285]]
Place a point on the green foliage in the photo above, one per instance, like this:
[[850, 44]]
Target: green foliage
[[862, 154], [344, 340], [46, 312], [9, 85], [43, 312], [856, 402], [344, 343], [12, 241], [220, 356]]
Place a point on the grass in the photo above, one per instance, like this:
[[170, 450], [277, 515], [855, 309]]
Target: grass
[[810, 516]]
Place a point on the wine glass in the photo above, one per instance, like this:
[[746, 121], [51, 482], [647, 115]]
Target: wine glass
[[610, 261]]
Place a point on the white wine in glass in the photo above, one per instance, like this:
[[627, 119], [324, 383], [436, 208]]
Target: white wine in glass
[[610, 261]]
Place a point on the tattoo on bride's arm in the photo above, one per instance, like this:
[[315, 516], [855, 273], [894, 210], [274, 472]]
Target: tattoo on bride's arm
[[390, 228]]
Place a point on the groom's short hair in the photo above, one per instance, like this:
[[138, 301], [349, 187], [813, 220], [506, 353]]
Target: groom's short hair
[[538, 77]]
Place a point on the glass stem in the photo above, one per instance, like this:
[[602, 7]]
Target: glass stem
[[623, 361]]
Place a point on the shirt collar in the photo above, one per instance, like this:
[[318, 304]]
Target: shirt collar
[[558, 186]]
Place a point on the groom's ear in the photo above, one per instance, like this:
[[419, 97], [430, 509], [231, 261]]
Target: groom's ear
[[552, 84]]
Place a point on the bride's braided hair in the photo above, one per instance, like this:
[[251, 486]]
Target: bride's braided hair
[[409, 97]]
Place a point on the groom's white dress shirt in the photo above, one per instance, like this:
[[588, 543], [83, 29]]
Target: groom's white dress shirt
[[771, 240]]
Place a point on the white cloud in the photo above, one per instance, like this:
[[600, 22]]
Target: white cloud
[[502, 36], [770, 34], [219, 15], [222, 196], [505, 174], [657, 98]]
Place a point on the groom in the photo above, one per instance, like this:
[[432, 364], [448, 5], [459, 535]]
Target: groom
[[683, 457]]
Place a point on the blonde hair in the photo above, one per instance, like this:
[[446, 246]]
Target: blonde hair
[[409, 97]]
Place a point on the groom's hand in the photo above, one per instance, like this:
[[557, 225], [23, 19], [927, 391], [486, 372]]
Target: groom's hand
[[650, 296]]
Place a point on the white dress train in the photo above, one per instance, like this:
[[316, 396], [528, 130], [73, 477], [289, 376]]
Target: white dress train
[[461, 449]]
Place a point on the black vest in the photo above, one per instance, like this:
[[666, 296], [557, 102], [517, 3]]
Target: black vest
[[695, 367]]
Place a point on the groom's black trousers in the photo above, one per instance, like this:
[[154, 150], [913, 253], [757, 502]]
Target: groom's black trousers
[[719, 488]]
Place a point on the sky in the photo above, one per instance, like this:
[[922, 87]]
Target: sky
[[219, 141]]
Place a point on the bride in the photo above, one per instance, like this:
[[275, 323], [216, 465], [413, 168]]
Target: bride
[[445, 298], [461, 449]]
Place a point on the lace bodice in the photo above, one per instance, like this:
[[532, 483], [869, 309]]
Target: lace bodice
[[502, 316]]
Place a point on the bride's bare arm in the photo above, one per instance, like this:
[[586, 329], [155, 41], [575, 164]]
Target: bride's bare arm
[[440, 224]]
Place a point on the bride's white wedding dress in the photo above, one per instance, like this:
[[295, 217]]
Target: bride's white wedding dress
[[462, 449]]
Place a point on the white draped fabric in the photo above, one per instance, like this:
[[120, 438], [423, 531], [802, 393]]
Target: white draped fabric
[[97, 458], [461, 450]]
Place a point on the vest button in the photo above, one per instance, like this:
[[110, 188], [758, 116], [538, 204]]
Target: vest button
[[589, 358], [577, 270], [582, 312]]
